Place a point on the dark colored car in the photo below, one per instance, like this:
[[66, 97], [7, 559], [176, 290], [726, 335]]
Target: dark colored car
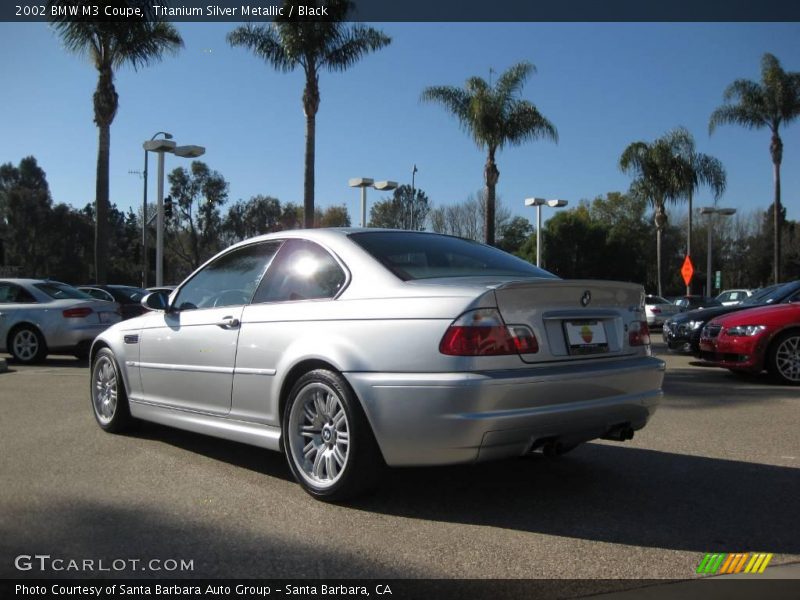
[[128, 297], [682, 332]]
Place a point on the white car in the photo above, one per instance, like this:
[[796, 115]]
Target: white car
[[733, 297], [351, 349], [658, 310], [39, 316]]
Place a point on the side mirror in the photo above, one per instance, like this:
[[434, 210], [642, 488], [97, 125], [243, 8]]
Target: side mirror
[[156, 301]]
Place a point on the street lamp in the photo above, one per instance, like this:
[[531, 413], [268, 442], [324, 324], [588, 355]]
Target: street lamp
[[538, 203], [364, 183], [713, 210], [167, 136], [162, 146]]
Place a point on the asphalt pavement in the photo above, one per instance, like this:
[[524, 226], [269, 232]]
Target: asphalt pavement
[[716, 470]]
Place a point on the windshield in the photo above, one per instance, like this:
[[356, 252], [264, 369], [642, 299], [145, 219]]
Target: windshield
[[769, 294], [131, 294], [412, 255], [62, 291]]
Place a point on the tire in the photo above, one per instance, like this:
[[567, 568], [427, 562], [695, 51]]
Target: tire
[[27, 345], [109, 400], [327, 439], [783, 358]]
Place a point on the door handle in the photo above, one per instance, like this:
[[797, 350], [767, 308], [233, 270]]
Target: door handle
[[229, 323]]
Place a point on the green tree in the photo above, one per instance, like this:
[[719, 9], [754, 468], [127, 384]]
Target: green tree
[[259, 215], [770, 103], [195, 230], [659, 175], [25, 209], [110, 45], [494, 116], [514, 234], [314, 45], [401, 211], [333, 216]]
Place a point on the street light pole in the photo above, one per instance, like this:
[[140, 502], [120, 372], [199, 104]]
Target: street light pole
[[710, 211], [411, 205], [364, 183], [167, 136], [162, 146], [538, 203]]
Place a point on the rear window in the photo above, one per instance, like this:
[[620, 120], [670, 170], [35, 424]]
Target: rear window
[[62, 291], [412, 255]]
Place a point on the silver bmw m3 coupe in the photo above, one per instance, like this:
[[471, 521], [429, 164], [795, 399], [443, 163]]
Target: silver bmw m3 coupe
[[353, 349]]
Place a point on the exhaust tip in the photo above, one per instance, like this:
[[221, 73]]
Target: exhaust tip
[[619, 433]]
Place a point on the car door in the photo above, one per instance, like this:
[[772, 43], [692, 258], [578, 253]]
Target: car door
[[187, 353], [288, 305]]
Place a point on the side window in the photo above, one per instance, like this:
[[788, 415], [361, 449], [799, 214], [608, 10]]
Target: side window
[[228, 281], [13, 294], [301, 271], [99, 294]]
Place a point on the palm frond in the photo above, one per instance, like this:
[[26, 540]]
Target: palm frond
[[265, 42], [524, 122], [511, 81], [352, 44]]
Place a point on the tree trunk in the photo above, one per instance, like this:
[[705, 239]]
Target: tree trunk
[[661, 222], [776, 150], [101, 207], [491, 175], [310, 107], [106, 101]]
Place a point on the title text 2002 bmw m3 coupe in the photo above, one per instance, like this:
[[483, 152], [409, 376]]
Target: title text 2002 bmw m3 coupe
[[354, 349]]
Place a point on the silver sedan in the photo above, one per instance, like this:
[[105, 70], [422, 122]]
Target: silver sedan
[[39, 316], [350, 350]]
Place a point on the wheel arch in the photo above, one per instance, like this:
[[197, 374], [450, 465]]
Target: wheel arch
[[20, 324]]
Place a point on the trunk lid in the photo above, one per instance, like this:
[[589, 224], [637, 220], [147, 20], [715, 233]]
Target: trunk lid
[[573, 319]]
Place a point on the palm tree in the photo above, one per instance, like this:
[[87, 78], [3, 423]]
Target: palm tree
[[660, 177], [698, 169], [314, 45], [494, 116], [770, 103], [108, 46]]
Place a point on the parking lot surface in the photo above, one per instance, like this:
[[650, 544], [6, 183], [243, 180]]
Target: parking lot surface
[[716, 470]]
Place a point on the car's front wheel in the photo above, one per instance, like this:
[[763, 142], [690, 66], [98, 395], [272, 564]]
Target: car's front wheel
[[27, 345], [327, 440], [783, 359], [109, 400]]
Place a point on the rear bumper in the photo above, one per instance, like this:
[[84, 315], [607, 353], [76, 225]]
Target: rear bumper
[[449, 418], [69, 338]]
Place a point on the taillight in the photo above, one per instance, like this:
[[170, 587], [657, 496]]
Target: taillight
[[639, 334], [482, 332], [655, 310], [77, 313]]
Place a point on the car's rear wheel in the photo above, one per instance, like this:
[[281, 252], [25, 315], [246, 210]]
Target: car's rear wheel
[[327, 439], [109, 400], [783, 359], [27, 345]]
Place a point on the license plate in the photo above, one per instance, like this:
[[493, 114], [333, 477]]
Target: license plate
[[586, 337]]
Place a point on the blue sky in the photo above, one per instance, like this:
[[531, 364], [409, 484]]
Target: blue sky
[[602, 85]]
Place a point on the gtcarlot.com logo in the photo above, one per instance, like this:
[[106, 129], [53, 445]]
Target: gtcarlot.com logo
[[743, 562], [46, 562]]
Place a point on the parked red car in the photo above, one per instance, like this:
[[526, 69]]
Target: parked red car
[[756, 339]]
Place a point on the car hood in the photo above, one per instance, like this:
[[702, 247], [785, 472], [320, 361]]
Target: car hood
[[706, 314], [780, 314]]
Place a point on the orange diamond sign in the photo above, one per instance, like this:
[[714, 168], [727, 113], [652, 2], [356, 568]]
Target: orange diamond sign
[[687, 270]]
